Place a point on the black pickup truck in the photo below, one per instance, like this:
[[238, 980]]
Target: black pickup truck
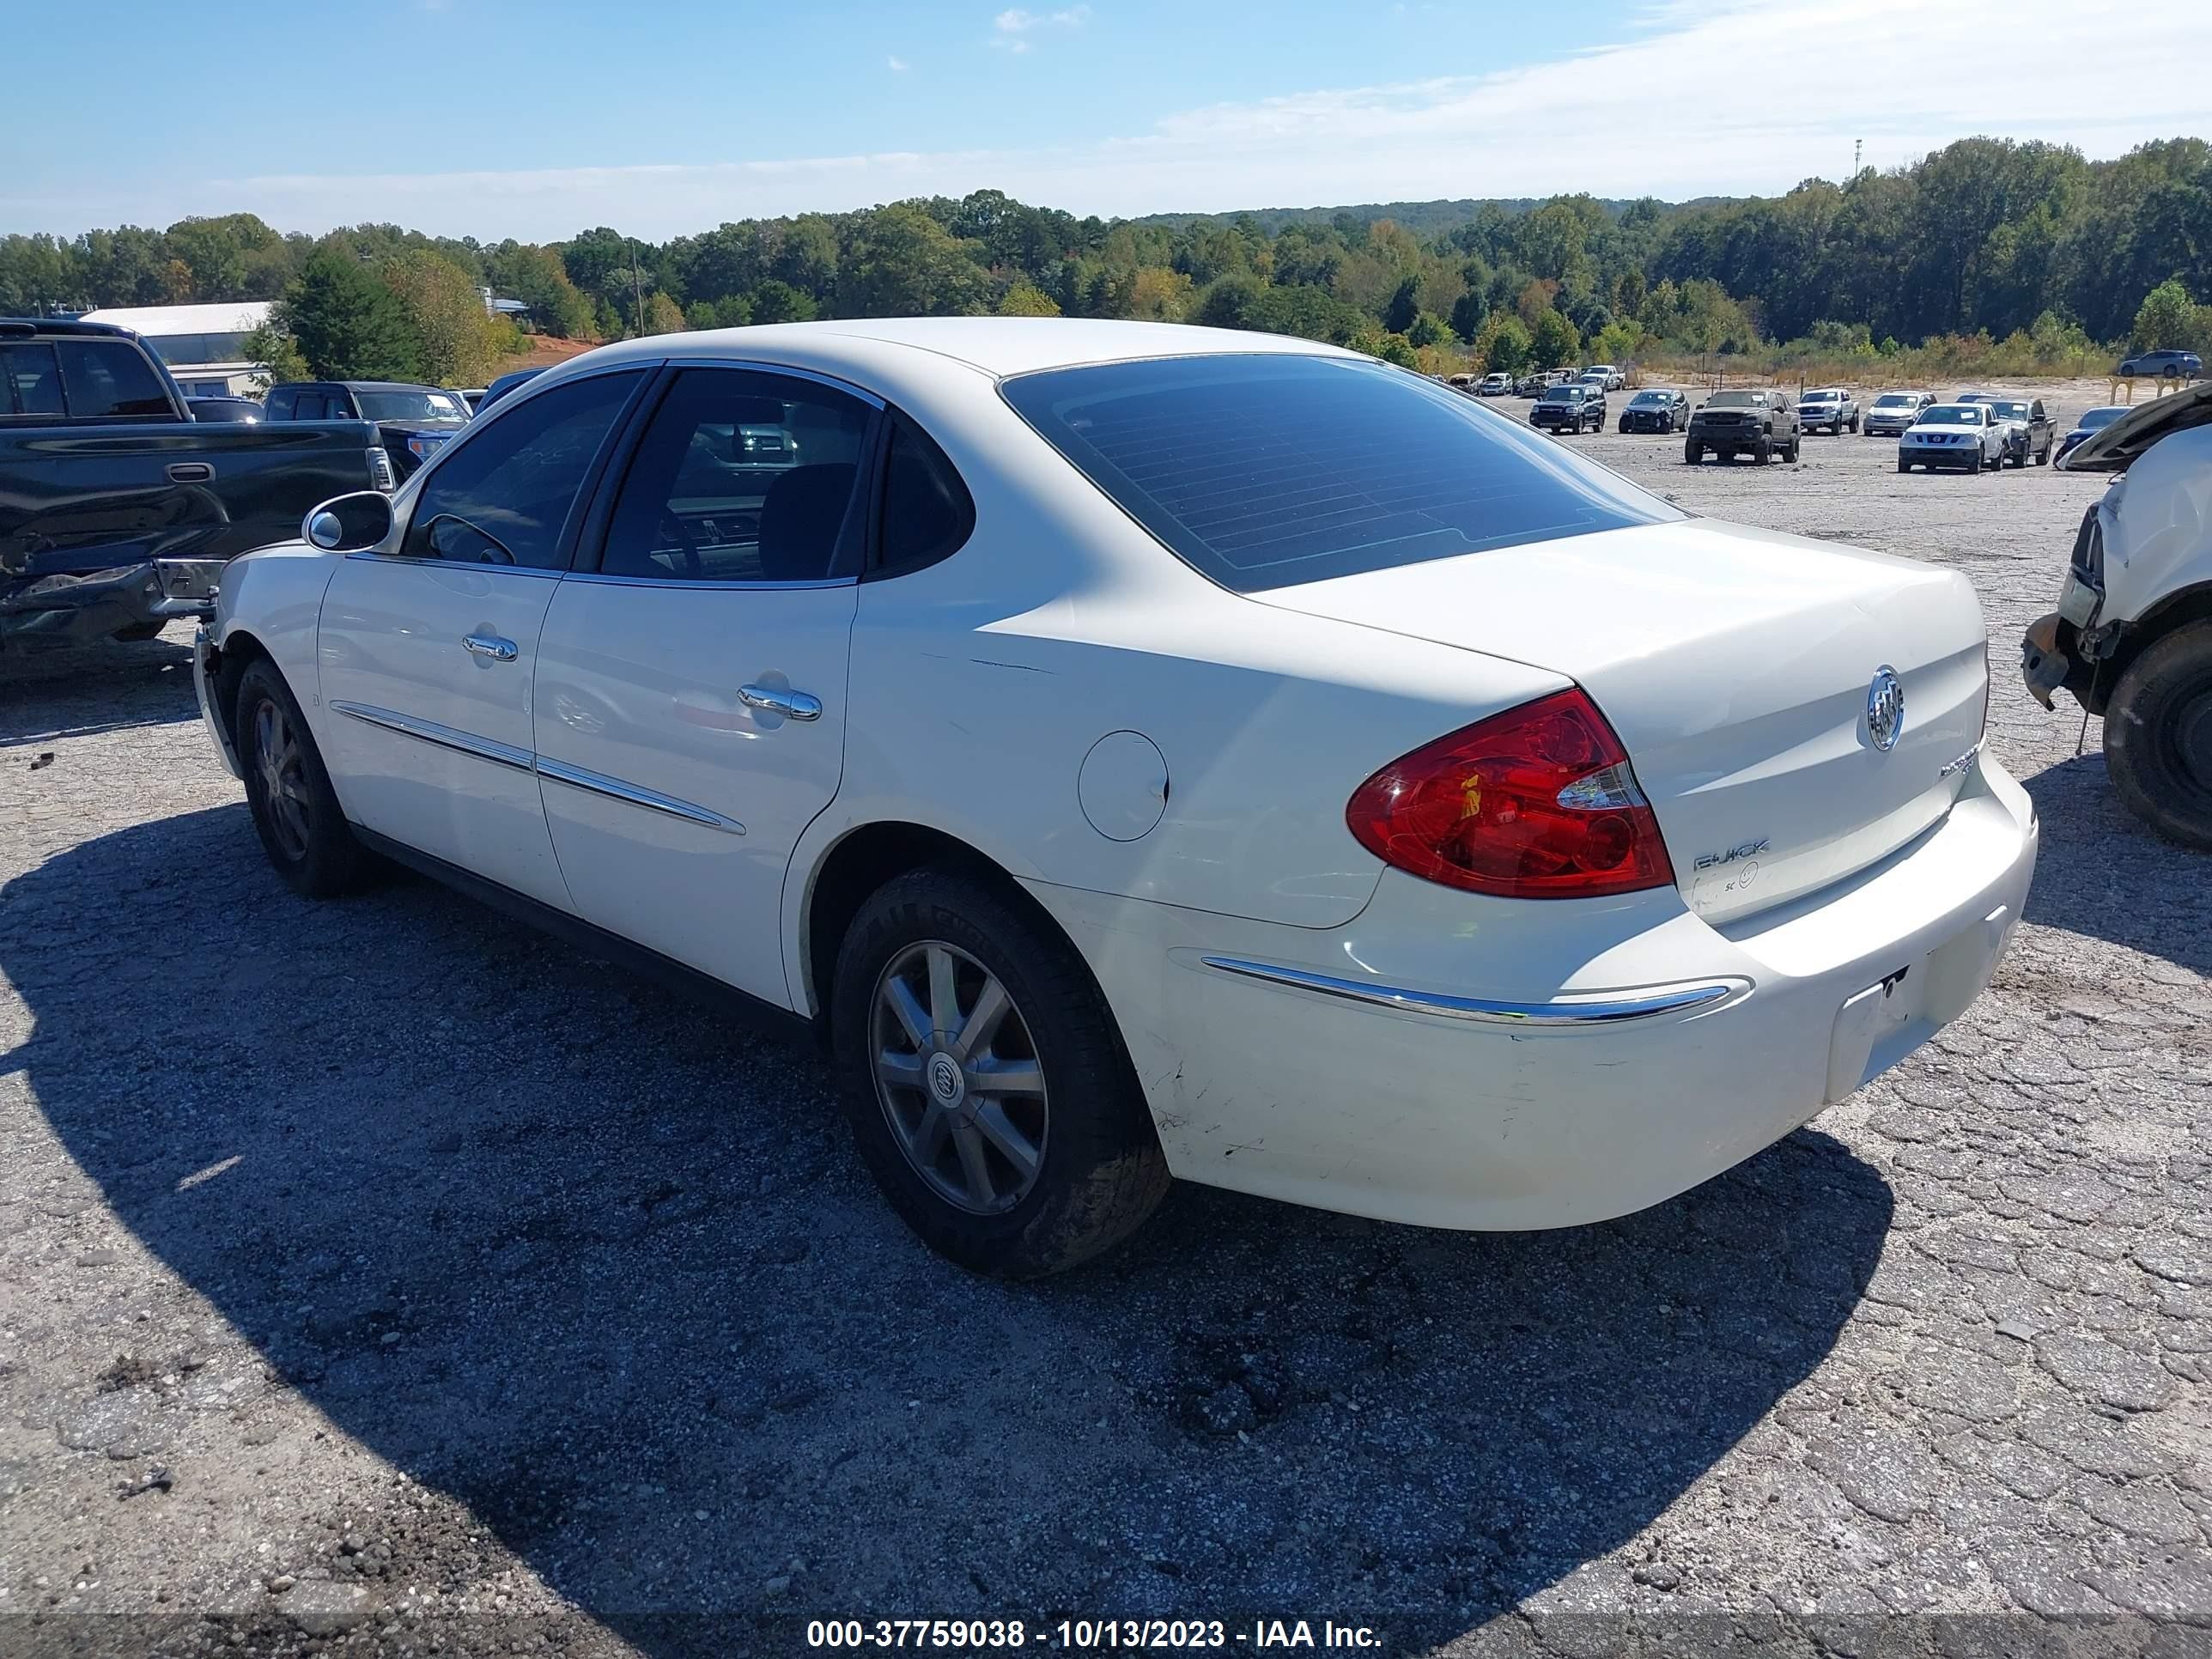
[[118, 510]]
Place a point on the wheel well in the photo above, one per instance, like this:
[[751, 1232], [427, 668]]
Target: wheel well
[[862, 862], [2177, 610], [239, 650]]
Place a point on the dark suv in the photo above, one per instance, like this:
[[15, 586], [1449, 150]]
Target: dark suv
[[416, 419], [1757, 423]]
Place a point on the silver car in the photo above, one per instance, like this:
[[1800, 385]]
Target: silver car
[[1893, 411]]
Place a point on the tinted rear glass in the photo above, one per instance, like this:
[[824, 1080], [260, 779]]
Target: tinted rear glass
[[1264, 471]]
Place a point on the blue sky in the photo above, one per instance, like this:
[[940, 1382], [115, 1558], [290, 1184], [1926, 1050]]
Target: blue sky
[[498, 118]]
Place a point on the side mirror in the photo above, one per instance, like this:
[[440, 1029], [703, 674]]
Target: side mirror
[[347, 524]]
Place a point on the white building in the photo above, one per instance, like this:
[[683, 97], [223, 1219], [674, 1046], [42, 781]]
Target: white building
[[204, 346]]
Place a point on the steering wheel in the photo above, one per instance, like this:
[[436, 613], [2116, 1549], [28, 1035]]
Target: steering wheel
[[672, 520]]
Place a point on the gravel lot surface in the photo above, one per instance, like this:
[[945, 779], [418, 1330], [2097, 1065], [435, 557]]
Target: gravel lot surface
[[377, 1275]]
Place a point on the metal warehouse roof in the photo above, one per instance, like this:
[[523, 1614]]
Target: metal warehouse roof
[[223, 317]]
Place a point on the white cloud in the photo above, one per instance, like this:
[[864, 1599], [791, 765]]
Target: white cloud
[[1019, 22], [1709, 99], [1011, 27], [899, 65]]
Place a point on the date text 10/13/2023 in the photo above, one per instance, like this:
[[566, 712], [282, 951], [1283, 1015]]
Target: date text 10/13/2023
[[1081, 1635]]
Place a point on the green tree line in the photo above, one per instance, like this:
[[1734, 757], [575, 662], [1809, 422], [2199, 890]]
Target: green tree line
[[1985, 237]]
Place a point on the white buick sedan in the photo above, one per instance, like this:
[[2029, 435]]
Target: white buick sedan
[[1144, 752]]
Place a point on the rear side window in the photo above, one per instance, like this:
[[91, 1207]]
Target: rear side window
[[503, 494], [926, 511], [106, 380], [30, 382], [1264, 471]]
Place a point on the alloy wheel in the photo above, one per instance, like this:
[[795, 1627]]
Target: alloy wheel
[[283, 777], [958, 1077]]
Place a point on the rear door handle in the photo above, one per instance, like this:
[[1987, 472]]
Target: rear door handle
[[490, 645], [791, 705], [189, 472]]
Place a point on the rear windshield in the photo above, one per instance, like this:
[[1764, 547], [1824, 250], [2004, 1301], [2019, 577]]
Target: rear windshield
[[432, 407], [1263, 471]]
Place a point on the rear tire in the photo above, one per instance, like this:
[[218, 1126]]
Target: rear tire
[[295, 811], [1795, 445], [1094, 1167], [2158, 736]]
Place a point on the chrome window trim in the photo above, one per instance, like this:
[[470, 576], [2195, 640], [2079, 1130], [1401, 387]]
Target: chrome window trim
[[705, 585], [758, 367], [1606, 1009], [375, 557], [599, 783], [445, 737]]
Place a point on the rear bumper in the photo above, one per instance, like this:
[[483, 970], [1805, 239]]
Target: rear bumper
[[1455, 1061], [78, 608]]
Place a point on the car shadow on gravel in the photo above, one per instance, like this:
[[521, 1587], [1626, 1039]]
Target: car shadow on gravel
[[606, 1271], [2102, 873], [50, 694]]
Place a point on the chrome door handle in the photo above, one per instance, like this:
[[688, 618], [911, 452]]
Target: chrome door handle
[[490, 645], [791, 705]]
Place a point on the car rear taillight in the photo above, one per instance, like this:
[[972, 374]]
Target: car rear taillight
[[1538, 802]]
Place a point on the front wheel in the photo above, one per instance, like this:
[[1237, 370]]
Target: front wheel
[[2158, 736], [986, 1082], [1693, 452], [295, 811], [1762, 452], [1903, 465]]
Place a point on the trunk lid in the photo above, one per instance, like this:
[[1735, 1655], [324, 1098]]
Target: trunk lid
[[1738, 667]]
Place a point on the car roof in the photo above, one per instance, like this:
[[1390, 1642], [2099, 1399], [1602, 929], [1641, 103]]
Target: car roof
[[998, 346], [18, 327]]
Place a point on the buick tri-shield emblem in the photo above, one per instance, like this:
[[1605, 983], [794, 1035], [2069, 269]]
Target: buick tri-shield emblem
[[1886, 708]]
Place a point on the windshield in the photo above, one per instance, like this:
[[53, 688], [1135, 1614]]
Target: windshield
[[1895, 400], [1265, 470], [1652, 398], [1564, 394], [2093, 418], [1951, 415], [2013, 412], [1824, 396], [431, 408], [1732, 400]]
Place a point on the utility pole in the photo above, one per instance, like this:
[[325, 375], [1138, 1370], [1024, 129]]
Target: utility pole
[[1858, 148], [637, 287]]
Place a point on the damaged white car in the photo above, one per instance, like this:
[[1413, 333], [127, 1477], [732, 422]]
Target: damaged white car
[[2132, 636]]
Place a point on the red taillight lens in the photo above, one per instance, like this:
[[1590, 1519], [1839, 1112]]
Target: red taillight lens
[[1538, 802]]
